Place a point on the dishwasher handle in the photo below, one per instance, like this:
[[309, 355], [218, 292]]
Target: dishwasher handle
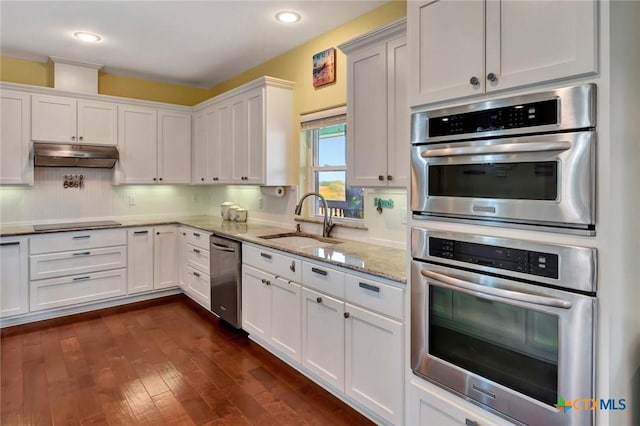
[[221, 248]]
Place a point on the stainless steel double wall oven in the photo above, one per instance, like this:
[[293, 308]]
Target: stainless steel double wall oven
[[508, 324]]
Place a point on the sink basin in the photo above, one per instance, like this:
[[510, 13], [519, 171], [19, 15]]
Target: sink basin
[[301, 240]]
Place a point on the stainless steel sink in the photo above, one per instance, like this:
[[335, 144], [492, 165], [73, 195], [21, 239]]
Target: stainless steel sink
[[300, 239]]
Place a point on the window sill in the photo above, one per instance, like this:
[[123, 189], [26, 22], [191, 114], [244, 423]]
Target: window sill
[[337, 222]]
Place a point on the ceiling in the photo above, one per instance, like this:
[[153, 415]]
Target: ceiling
[[194, 43]]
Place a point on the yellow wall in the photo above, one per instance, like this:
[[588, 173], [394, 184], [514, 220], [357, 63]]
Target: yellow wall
[[294, 65], [41, 74]]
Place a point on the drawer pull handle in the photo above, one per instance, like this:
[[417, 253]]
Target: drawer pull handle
[[84, 253], [195, 234], [140, 232], [319, 299], [469, 422], [12, 243], [82, 278], [369, 287], [319, 271], [266, 256], [196, 274], [81, 237], [196, 251], [293, 266]]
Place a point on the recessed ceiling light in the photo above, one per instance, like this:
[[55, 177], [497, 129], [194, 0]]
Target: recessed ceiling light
[[288, 17], [88, 37]]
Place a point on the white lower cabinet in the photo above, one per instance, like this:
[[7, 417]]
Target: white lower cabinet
[[198, 286], [432, 406], [77, 289], [344, 330], [373, 362], [165, 257], [140, 260], [14, 276], [194, 275], [323, 337]]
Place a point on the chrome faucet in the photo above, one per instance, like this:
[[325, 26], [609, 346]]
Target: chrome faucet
[[327, 225]]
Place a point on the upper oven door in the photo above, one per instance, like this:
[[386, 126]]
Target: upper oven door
[[545, 179]]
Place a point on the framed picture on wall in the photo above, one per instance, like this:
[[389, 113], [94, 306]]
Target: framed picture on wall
[[324, 67]]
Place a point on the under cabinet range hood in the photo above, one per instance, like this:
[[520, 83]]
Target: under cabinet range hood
[[62, 155]]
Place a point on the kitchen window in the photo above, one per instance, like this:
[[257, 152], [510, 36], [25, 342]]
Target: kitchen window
[[324, 140]]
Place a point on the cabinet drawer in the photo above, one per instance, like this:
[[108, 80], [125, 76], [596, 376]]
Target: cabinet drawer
[[378, 297], [79, 240], [199, 287], [197, 258], [60, 264], [323, 278], [272, 262], [76, 289], [197, 238]]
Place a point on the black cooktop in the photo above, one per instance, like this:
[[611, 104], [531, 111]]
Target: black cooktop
[[75, 225]]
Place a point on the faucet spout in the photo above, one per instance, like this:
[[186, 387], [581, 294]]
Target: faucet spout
[[327, 225]]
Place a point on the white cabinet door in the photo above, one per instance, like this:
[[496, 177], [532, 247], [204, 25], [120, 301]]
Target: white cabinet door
[[286, 311], [220, 140], [374, 344], [446, 40], [14, 276], [174, 147], [367, 130], [97, 123], [165, 257], [256, 302], [535, 41], [255, 119], [238, 140], [140, 260], [138, 144], [53, 119], [182, 258], [323, 337], [429, 405], [16, 166], [199, 149], [398, 152]]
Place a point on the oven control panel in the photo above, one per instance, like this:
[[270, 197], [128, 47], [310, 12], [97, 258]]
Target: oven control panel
[[523, 261], [509, 117]]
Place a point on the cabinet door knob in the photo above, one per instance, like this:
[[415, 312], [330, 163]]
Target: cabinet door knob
[[492, 77], [160, 179], [154, 179], [202, 179], [474, 81], [319, 299], [380, 177], [81, 138], [389, 177], [347, 314], [268, 282], [157, 233]]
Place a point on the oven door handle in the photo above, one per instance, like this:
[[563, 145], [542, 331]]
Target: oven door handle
[[493, 293], [506, 148]]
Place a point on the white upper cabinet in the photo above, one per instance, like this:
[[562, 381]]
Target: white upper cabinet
[[67, 120], [16, 165], [471, 47], [174, 147], [155, 146], [377, 108], [244, 136]]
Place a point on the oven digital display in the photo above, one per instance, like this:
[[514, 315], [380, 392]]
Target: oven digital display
[[524, 261], [511, 117]]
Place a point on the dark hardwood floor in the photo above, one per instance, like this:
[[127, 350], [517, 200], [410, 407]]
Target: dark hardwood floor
[[160, 362]]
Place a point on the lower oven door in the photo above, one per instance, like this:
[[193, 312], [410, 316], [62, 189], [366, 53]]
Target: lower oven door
[[547, 179], [515, 348]]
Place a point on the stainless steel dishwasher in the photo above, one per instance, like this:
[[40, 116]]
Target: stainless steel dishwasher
[[226, 279]]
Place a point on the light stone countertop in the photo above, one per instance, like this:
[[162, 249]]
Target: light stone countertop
[[381, 261]]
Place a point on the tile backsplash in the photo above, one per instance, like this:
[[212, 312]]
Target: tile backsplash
[[47, 201]]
